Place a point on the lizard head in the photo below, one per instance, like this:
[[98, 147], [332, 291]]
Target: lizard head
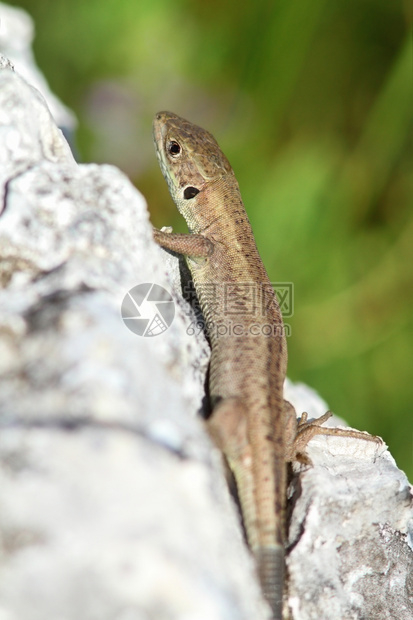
[[188, 155]]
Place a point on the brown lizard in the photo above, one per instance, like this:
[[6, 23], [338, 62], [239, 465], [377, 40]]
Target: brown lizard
[[250, 422]]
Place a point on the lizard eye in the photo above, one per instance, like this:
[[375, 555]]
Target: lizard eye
[[190, 192], [174, 148]]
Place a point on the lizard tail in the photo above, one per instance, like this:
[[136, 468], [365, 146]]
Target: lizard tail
[[270, 562]]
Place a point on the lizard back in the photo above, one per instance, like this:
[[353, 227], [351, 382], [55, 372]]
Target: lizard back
[[245, 329]]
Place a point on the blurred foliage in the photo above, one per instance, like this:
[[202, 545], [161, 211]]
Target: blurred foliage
[[312, 103]]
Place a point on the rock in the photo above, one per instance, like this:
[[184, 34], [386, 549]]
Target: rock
[[113, 503], [112, 498], [16, 37], [350, 536]]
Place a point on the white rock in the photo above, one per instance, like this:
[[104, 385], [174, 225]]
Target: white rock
[[350, 534], [112, 498], [16, 37], [351, 527]]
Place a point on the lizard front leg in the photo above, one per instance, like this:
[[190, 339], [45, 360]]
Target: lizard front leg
[[191, 245]]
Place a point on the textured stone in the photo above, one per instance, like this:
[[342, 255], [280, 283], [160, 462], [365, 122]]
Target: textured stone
[[110, 491], [350, 534], [16, 37]]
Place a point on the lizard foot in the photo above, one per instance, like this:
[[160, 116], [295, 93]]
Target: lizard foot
[[305, 431]]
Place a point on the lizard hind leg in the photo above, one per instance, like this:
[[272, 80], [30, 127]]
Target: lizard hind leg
[[299, 433], [227, 426]]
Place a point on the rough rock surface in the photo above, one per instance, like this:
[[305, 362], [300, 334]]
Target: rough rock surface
[[16, 37], [350, 534], [112, 499]]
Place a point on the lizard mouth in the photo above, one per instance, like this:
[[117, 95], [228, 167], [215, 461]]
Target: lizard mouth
[[160, 128], [161, 124], [157, 127]]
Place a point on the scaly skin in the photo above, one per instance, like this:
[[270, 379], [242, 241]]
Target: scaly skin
[[250, 422], [247, 371]]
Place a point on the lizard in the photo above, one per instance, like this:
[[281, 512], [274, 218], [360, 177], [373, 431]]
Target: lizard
[[251, 423]]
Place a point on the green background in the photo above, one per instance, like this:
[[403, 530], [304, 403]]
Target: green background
[[311, 100]]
